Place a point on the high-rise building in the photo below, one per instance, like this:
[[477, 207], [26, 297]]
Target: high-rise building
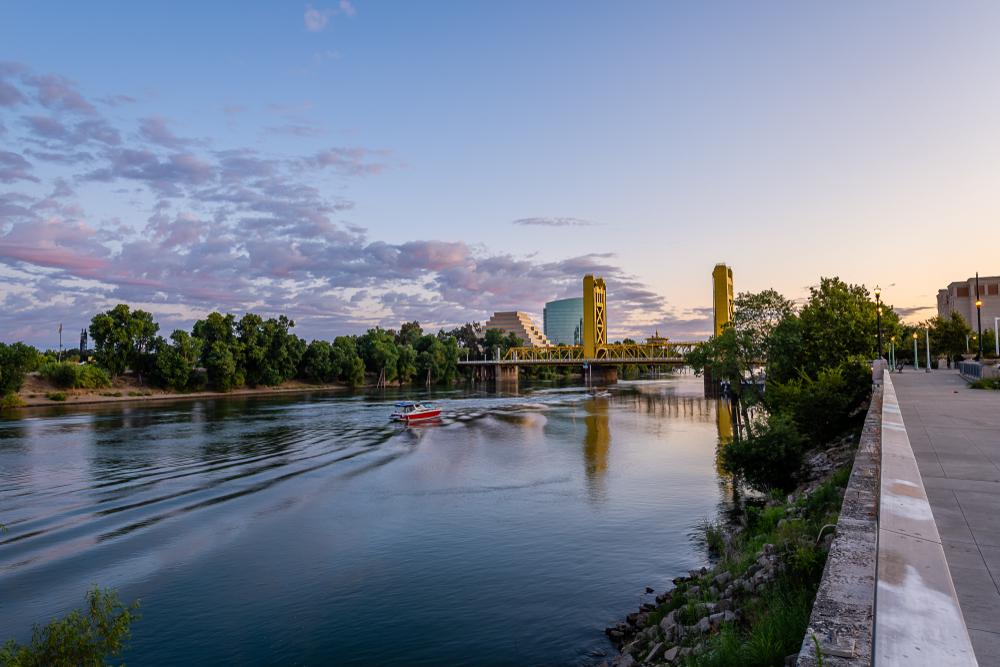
[[960, 297], [520, 324], [562, 321]]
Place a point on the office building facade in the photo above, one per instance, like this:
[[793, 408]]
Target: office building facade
[[562, 321], [960, 297]]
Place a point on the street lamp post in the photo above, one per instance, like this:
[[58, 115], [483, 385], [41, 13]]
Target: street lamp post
[[916, 359], [878, 317], [892, 352], [979, 319], [996, 338], [927, 344]]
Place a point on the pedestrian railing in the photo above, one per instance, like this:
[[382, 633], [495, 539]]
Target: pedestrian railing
[[970, 370]]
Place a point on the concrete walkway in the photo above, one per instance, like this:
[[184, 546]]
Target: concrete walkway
[[955, 435]]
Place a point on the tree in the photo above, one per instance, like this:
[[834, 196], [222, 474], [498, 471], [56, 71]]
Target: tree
[[409, 333], [16, 360], [220, 365], [496, 341], [176, 361], [219, 349], [317, 362], [744, 347], [839, 322], [77, 640], [437, 359], [948, 334], [468, 337], [348, 366], [769, 456], [378, 349], [122, 337], [285, 350], [406, 363], [253, 349]]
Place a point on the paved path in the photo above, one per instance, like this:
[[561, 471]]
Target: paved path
[[955, 435]]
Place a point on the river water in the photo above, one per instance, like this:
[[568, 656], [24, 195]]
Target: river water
[[310, 530]]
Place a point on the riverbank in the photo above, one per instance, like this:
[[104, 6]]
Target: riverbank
[[37, 392], [752, 605]]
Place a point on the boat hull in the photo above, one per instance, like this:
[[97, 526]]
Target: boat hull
[[417, 416]]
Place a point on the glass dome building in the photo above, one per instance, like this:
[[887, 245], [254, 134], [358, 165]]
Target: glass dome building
[[563, 321]]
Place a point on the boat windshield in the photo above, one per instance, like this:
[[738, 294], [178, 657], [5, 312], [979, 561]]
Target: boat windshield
[[413, 407]]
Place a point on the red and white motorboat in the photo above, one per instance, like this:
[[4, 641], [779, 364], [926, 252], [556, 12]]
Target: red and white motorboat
[[410, 411]]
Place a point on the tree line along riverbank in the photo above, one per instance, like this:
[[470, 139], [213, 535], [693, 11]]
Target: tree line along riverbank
[[122, 356]]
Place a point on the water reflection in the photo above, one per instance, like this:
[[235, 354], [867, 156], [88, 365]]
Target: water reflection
[[724, 420], [467, 531], [596, 444]]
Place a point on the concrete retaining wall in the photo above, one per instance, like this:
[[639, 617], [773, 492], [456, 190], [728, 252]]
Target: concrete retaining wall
[[843, 614]]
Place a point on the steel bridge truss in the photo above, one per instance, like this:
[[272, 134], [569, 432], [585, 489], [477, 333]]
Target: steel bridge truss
[[649, 354]]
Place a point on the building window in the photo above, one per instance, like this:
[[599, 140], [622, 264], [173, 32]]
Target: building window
[[994, 289], [962, 292]]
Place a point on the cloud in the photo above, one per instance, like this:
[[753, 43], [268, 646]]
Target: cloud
[[154, 130], [9, 95], [237, 229], [13, 167], [117, 100], [295, 130], [553, 222], [58, 93], [315, 19], [354, 160], [54, 134], [907, 312]]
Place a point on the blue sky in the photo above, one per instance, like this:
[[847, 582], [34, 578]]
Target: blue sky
[[360, 163]]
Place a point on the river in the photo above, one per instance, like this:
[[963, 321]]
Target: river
[[310, 530]]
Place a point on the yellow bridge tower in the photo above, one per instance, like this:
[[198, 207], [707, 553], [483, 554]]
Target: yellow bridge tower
[[722, 296], [595, 316]]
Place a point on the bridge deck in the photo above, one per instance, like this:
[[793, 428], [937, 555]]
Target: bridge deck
[[604, 361]]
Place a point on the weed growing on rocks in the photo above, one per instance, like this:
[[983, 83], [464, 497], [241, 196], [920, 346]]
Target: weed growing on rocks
[[753, 606]]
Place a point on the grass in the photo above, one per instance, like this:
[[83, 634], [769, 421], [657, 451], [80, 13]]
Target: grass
[[11, 400], [138, 393], [775, 621], [986, 383], [56, 395]]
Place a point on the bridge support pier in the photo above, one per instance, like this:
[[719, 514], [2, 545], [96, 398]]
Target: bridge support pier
[[601, 375], [507, 374]]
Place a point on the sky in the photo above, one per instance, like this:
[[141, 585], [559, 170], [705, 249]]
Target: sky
[[356, 163]]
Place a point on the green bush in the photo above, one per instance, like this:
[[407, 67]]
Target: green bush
[[56, 396], [11, 400], [92, 377], [76, 639], [68, 375], [769, 456], [61, 374], [986, 383], [824, 406]]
